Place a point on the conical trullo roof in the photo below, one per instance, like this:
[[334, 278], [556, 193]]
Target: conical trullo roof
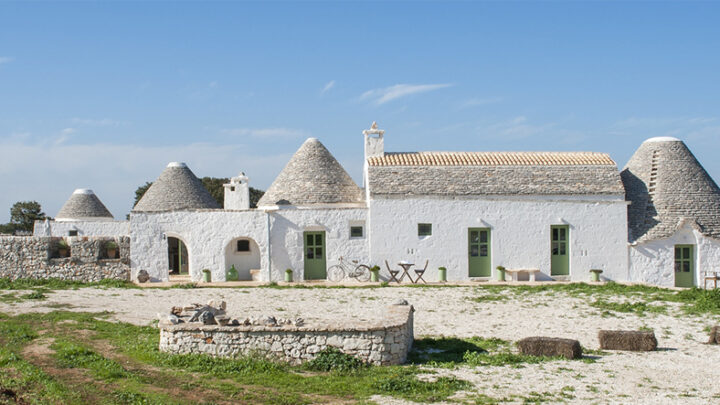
[[312, 176], [83, 204], [177, 188], [668, 187]]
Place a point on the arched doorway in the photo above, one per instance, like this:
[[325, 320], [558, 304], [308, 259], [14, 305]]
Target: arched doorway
[[178, 257], [244, 254]]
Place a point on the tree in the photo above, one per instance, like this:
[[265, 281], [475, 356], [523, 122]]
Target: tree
[[23, 215], [214, 185]]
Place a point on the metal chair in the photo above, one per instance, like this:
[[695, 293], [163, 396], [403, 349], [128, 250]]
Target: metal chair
[[393, 273], [420, 272]]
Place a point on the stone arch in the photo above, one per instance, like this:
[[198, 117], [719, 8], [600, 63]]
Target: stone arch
[[244, 253]]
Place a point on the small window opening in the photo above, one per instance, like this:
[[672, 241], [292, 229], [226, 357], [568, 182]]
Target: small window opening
[[356, 231], [73, 233], [243, 245], [424, 229], [232, 188]]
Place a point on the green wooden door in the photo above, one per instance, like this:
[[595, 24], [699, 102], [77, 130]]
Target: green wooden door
[[314, 255], [560, 254], [684, 266], [479, 252]]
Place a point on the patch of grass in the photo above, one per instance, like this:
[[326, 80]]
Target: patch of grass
[[639, 308], [448, 352], [57, 284], [402, 382], [35, 295], [72, 355], [332, 359], [184, 286]]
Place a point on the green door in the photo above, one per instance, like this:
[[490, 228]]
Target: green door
[[560, 254], [479, 252], [314, 255], [684, 266]]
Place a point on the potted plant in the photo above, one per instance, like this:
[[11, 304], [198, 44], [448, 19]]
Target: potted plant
[[442, 274], [500, 273], [288, 275], [111, 249], [375, 273], [206, 275], [63, 248]]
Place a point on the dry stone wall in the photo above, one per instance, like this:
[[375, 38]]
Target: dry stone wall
[[38, 258], [382, 342]]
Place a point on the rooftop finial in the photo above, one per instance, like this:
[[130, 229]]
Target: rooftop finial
[[374, 125], [374, 130]]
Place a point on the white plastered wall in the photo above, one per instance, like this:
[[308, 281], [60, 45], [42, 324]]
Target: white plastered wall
[[288, 225], [653, 262], [206, 234], [520, 233], [83, 228]]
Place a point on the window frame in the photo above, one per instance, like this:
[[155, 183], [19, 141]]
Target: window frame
[[422, 233]]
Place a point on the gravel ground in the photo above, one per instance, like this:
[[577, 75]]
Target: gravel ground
[[681, 371]]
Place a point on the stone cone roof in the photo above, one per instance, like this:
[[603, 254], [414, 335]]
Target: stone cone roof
[[312, 176], [83, 204], [667, 187], [177, 188]]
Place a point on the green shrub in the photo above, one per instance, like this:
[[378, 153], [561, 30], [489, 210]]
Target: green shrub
[[332, 359]]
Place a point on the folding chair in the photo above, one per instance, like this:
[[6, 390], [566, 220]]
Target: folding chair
[[393, 273], [420, 273]]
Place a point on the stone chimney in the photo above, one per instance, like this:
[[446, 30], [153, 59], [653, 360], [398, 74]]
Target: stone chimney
[[237, 193], [374, 145]]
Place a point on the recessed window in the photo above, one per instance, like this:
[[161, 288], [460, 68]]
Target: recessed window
[[72, 233], [356, 231], [243, 245], [424, 229], [232, 188]]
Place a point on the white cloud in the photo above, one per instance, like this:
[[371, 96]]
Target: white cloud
[[48, 173], [6, 59], [265, 132], [328, 86], [383, 95], [104, 122], [515, 128]]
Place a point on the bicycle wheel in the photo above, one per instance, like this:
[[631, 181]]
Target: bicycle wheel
[[362, 273], [335, 273]]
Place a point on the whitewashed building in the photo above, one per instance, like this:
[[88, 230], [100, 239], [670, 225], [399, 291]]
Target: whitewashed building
[[674, 215], [562, 213]]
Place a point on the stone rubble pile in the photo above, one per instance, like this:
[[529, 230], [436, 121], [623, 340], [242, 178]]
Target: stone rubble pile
[[214, 314]]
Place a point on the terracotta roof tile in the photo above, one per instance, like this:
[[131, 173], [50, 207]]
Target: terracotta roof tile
[[492, 159]]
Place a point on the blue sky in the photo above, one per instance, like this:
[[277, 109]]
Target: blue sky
[[104, 95]]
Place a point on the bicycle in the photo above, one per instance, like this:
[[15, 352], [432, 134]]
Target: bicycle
[[343, 269]]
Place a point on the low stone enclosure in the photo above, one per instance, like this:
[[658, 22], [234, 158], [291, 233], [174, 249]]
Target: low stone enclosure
[[382, 342], [85, 259]]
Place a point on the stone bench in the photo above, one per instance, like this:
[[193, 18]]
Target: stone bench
[[515, 273]]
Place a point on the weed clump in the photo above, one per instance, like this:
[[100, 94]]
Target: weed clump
[[332, 359]]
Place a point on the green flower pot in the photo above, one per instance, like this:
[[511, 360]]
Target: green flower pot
[[442, 274], [232, 274], [375, 275], [206, 275], [288, 277], [595, 275], [500, 274]]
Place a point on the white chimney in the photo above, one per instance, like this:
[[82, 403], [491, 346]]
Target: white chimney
[[237, 193], [374, 145]]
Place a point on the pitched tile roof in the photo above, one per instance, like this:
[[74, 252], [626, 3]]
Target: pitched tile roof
[[493, 173], [491, 159], [312, 176], [667, 187]]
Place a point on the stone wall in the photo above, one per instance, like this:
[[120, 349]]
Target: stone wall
[[38, 258], [383, 342]]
